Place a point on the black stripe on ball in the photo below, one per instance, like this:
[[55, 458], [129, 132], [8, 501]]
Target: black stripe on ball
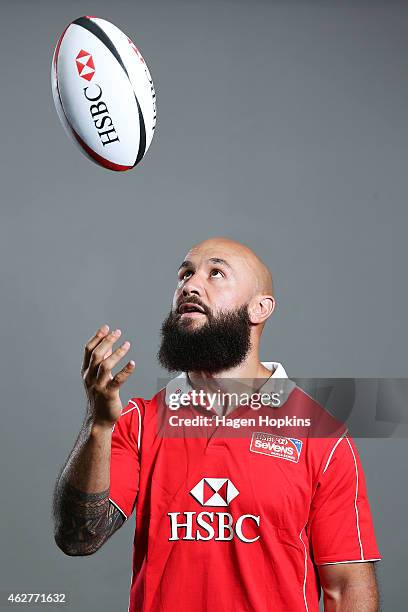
[[97, 31]]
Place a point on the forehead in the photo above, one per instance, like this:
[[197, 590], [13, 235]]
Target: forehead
[[213, 254]]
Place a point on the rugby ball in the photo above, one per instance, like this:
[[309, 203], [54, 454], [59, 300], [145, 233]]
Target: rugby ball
[[103, 93]]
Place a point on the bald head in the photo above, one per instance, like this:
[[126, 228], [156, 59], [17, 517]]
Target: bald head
[[220, 277], [241, 257]]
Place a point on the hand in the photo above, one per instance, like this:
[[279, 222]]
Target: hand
[[102, 389]]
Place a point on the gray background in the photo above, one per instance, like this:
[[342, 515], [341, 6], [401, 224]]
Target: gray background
[[281, 124]]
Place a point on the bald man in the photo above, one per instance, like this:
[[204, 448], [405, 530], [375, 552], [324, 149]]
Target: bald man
[[232, 513]]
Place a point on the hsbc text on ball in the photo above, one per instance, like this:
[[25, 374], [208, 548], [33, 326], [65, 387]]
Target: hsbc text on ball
[[101, 109]]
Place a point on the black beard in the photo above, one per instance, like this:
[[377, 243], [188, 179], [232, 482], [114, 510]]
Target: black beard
[[221, 343]]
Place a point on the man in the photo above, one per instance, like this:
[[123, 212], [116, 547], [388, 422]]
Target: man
[[226, 519]]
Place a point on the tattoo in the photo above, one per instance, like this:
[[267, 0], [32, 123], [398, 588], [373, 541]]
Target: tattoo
[[84, 521]]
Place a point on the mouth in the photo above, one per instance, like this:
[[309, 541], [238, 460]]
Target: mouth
[[191, 310]]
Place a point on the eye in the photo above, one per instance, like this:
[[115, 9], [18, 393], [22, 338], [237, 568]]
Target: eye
[[215, 273], [186, 274]]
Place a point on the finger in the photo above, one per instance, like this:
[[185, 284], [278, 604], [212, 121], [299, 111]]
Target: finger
[[92, 343], [123, 375], [104, 374], [101, 349]]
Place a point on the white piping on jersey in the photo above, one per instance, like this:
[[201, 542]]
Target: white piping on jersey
[[344, 436], [305, 577], [352, 561], [135, 406], [130, 409], [333, 449], [355, 502], [140, 422], [120, 509]]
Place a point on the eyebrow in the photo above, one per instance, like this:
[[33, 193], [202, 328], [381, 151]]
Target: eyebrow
[[189, 264], [186, 264], [218, 260]]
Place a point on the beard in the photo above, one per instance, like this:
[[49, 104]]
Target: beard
[[221, 343]]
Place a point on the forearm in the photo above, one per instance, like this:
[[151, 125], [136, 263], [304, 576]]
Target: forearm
[[88, 466], [84, 517]]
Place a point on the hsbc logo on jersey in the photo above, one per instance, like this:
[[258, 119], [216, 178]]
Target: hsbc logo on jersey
[[219, 526], [214, 491]]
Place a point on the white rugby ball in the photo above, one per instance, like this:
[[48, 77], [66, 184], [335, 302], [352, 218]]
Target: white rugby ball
[[103, 93]]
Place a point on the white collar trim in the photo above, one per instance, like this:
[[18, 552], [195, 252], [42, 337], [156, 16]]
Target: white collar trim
[[180, 384], [279, 370]]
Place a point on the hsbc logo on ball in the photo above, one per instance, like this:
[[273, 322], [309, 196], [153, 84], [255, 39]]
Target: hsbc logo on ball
[[85, 65], [99, 111], [209, 525]]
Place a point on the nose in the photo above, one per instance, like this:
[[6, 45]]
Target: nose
[[190, 291], [192, 287]]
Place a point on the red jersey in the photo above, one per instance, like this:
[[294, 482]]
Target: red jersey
[[232, 518]]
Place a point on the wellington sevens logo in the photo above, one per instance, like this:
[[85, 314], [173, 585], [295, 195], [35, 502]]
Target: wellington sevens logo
[[85, 65], [276, 446]]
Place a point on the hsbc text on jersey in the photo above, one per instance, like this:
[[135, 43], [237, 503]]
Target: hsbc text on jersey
[[218, 526]]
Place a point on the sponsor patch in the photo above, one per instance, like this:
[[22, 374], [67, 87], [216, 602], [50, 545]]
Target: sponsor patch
[[276, 446]]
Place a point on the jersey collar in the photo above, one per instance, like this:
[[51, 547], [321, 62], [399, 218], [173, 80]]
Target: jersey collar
[[180, 384], [279, 370]]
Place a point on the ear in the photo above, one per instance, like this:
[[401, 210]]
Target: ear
[[260, 308]]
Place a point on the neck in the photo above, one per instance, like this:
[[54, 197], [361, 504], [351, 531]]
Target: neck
[[250, 375], [246, 370]]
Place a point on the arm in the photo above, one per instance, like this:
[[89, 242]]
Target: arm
[[84, 518], [349, 587]]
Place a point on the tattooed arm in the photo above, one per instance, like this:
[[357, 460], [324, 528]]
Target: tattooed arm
[[87, 520], [84, 518]]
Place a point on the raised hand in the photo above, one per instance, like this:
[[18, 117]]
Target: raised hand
[[102, 388]]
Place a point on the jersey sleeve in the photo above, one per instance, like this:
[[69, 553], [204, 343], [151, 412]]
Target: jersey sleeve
[[340, 526], [125, 453]]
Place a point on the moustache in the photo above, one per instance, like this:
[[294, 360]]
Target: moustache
[[192, 300]]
